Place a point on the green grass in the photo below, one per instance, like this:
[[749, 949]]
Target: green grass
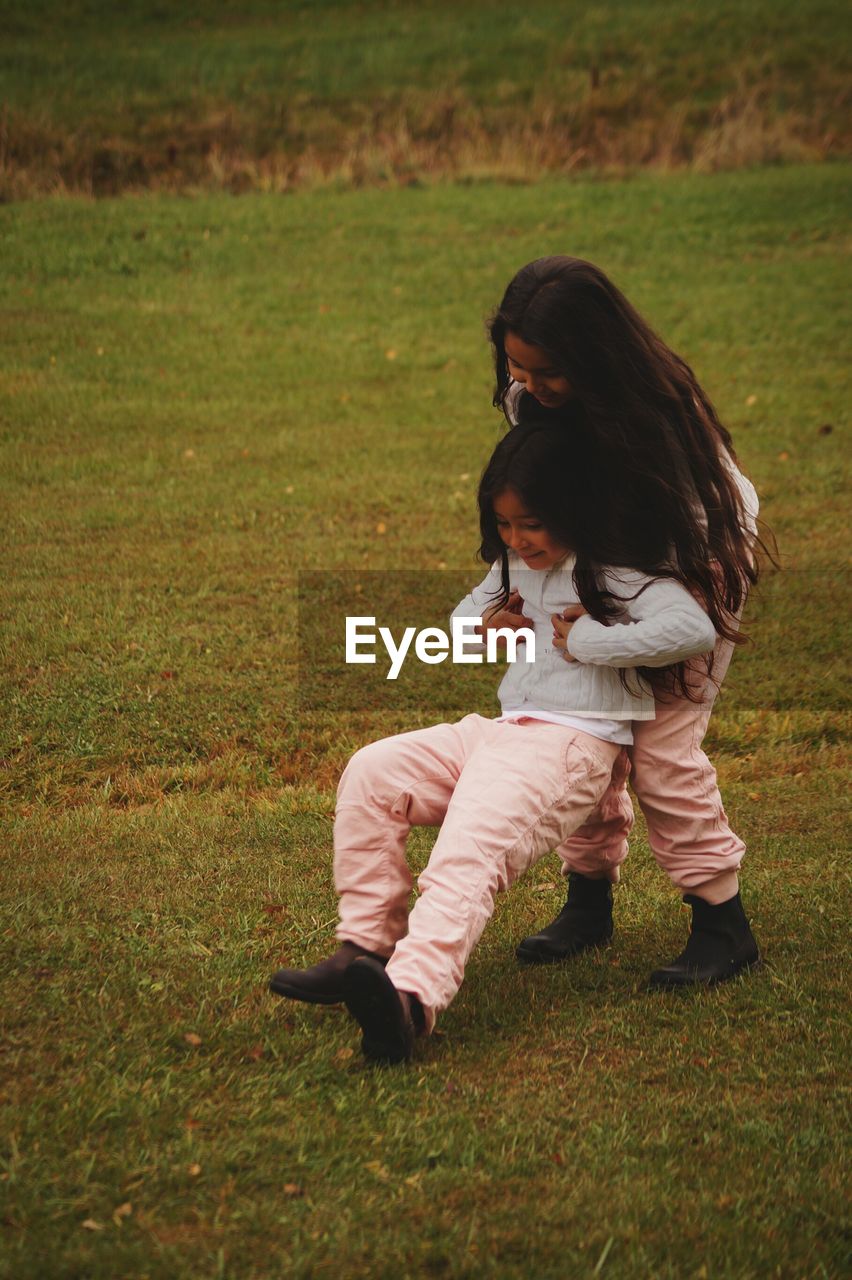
[[197, 399], [101, 98]]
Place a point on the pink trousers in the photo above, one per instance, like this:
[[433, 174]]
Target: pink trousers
[[503, 793], [676, 787]]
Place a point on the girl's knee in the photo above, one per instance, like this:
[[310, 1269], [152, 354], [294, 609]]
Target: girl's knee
[[366, 768], [660, 774], [381, 771]]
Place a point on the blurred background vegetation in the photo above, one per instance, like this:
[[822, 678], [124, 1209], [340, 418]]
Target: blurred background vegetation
[[102, 98]]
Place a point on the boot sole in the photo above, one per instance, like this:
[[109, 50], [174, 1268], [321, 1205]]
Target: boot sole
[[374, 1003], [534, 956], [679, 984]]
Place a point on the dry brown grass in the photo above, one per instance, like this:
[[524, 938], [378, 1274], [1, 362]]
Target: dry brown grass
[[409, 140]]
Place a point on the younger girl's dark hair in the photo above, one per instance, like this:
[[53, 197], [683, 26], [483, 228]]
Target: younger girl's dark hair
[[648, 455], [548, 468]]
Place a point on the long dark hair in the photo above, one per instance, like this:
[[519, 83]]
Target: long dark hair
[[648, 452], [540, 463]]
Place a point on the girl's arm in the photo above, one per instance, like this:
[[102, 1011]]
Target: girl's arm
[[666, 625], [480, 603], [481, 597]]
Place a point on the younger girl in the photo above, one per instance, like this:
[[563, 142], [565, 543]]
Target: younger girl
[[653, 469], [504, 791]]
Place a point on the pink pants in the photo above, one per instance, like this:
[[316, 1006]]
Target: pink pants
[[675, 785], [503, 793]]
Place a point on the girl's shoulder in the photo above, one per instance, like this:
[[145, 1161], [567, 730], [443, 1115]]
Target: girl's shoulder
[[747, 491], [510, 404]]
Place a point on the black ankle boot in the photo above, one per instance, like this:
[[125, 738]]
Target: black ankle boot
[[720, 945], [585, 921], [323, 982]]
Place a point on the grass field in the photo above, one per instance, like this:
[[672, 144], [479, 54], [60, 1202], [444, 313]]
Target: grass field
[[98, 97], [198, 399]]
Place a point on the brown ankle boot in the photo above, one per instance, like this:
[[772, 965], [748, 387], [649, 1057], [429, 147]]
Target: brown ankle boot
[[323, 982], [390, 1019]]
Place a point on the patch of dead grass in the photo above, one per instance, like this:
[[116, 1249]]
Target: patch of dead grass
[[410, 139]]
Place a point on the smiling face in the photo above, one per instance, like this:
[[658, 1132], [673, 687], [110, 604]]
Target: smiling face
[[524, 533], [533, 367]]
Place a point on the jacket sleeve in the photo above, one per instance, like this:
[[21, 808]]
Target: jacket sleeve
[[665, 625], [477, 601]]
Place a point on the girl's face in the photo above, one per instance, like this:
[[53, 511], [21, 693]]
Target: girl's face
[[534, 368], [524, 533]]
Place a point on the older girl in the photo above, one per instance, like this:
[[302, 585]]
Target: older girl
[[654, 471]]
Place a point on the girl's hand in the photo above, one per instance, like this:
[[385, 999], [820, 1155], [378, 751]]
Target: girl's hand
[[562, 624], [510, 616]]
